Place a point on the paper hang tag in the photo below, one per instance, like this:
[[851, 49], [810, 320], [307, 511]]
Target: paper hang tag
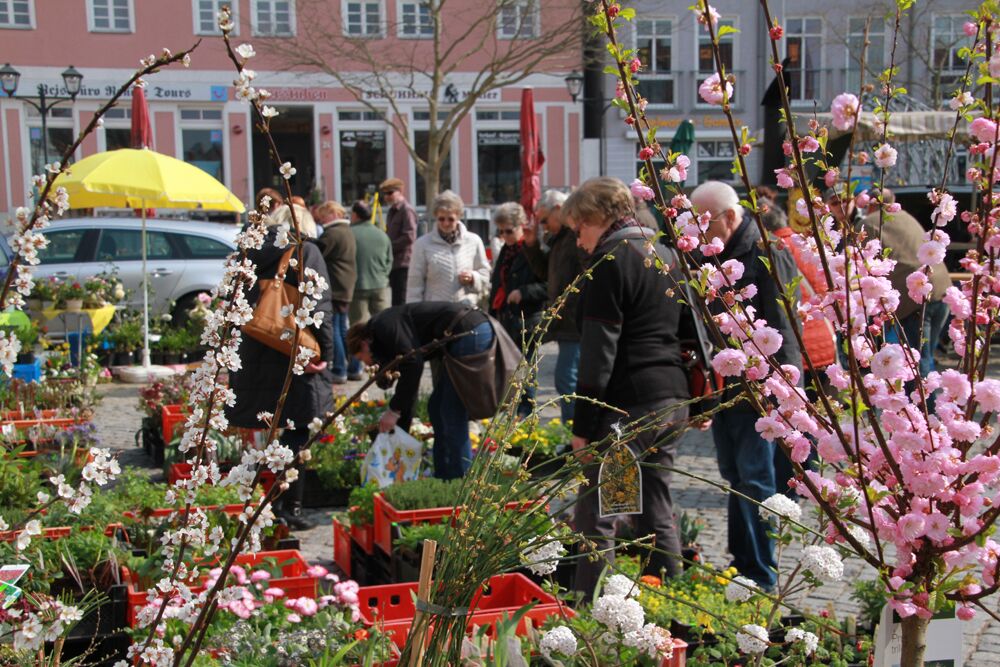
[[619, 482]]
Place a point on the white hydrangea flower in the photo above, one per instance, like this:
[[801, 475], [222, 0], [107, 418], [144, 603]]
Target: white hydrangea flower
[[740, 589], [783, 506], [619, 584], [544, 558], [861, 535], [823, 561], [651, 640], [752, 639], [808, 639], [620, 614], [559, 640]]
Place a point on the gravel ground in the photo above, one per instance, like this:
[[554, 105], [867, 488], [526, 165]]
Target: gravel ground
[[118, 419]]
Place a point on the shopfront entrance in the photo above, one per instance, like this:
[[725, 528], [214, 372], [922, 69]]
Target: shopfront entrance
[[292, 130]]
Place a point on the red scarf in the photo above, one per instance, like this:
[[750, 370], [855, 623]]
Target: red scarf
[[507, 256]]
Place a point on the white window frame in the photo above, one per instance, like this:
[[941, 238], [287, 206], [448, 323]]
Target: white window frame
[[364, 21], [181, 124], [487, 126], [647, 74], [234, 7], [31, 119], [933, 40], [700, 76], [131, 18], [801, 101], [536, 19], [400, 25], [10, 12], [853, 66], [255, 26], [696, 161]]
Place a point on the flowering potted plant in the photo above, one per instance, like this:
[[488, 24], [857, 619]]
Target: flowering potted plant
[[43, 294], [71, 295]]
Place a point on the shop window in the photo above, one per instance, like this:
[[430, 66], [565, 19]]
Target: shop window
[[117, 137], [420, 145], [499, 166], [655, 50], [362, 18], [110, 15], [358, 115], [16, 14], [362, 163], [203, 149], [59, 139], [273, 18], [715, 160], [487, 114]]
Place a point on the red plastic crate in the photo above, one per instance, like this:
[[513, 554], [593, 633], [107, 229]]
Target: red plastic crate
[[342, 547], [171, 416], [364, 536], [178, 471], [391, 607], [386, 515], [162, 512], [295, 580], [679, 657]]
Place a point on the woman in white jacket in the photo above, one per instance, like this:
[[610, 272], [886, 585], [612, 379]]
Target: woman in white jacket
[[449, 263]]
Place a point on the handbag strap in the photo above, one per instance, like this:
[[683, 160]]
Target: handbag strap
[[458, 318], [286, 259]]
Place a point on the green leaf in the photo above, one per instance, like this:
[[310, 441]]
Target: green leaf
[[726, 30], [612, 70], [628, 13]]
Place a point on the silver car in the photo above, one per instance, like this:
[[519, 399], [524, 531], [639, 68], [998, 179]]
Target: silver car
[[183, 257]]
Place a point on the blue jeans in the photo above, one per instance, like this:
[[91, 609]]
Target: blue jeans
[[929, 331], [339, 344], [452, 447], [566, 368], [746, 461]]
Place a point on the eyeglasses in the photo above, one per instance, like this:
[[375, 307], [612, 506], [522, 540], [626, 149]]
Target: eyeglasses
[[446, 218]]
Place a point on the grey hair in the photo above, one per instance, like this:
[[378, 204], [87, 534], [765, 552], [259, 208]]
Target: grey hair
[[774, 218], [719, 197], [448, 201], [551, 199], [510, 213]]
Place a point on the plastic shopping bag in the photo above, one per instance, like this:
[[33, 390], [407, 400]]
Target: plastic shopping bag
[[394, 457]]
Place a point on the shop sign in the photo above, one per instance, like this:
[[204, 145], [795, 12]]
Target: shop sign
[[708, 122], [499, 138], [449, 94], [179, 92]]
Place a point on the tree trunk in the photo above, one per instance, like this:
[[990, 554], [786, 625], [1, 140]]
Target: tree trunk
[[914, 641], [432, 184]]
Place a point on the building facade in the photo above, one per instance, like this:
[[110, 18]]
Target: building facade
[[340, 147], [822, 45]]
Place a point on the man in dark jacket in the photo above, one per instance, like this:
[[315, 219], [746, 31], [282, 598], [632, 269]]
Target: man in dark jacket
[[745, 458], [558, 265], [259, 381], [401, 226], [399, 331], [339, 248]]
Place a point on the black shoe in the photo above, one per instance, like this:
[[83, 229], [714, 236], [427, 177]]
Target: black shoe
[[354, 377], [295, 520]]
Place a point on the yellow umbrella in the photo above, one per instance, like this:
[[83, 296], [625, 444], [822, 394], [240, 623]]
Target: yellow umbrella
[[141, 178]]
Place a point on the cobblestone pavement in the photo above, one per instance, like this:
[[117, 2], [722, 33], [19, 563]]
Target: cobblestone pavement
[[118, 419]]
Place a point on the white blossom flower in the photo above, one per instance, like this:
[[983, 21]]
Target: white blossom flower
[[651, 640], [287, 170], [752, 639], [245, 51], [186, 60], [559, 640], [783, 506], [544, 558], [808, 639], [619, 614], [268, 112], [315, 425], [619, 584], [861, 535], [740, 589], [823, 561]]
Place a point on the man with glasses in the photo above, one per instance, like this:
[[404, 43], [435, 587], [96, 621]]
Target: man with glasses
[[401, 226], [558, 264]]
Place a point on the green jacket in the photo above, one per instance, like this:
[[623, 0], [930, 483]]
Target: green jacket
[[374, 256]]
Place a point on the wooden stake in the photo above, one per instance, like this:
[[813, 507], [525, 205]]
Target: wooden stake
[[423, 591]]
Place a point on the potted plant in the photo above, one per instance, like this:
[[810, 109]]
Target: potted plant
[[28, 336], [43, 294], [127, 338], [71, 295], [690, 528]]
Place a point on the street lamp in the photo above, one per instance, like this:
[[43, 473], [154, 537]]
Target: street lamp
[[574, 86], [9, 78]]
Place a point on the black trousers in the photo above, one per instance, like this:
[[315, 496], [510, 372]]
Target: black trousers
[[656, 446], [397, 283]]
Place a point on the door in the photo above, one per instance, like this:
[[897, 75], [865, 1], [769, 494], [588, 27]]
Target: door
[[122, 248]]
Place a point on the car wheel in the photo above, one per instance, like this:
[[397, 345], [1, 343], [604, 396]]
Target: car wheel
[[180, 316]]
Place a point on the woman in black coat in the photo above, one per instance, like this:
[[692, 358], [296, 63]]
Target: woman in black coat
[[631, 322], [517, 295], [258, 383]]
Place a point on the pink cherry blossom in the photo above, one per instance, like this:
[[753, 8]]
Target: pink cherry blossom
[[729, 362], [988, 394], [713, 247], [844, 110], [831, 176], [983, 129], [260, 575], [885, 156], [767, 340], [970, 29], [784, 179], [678, 172], [918, 286], [641, 191], [711, 90], [808, 144], [889, 363], [930, 253]]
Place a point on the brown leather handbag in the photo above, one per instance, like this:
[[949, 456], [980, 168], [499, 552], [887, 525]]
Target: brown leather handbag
[[481, 380], [268, 325]]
